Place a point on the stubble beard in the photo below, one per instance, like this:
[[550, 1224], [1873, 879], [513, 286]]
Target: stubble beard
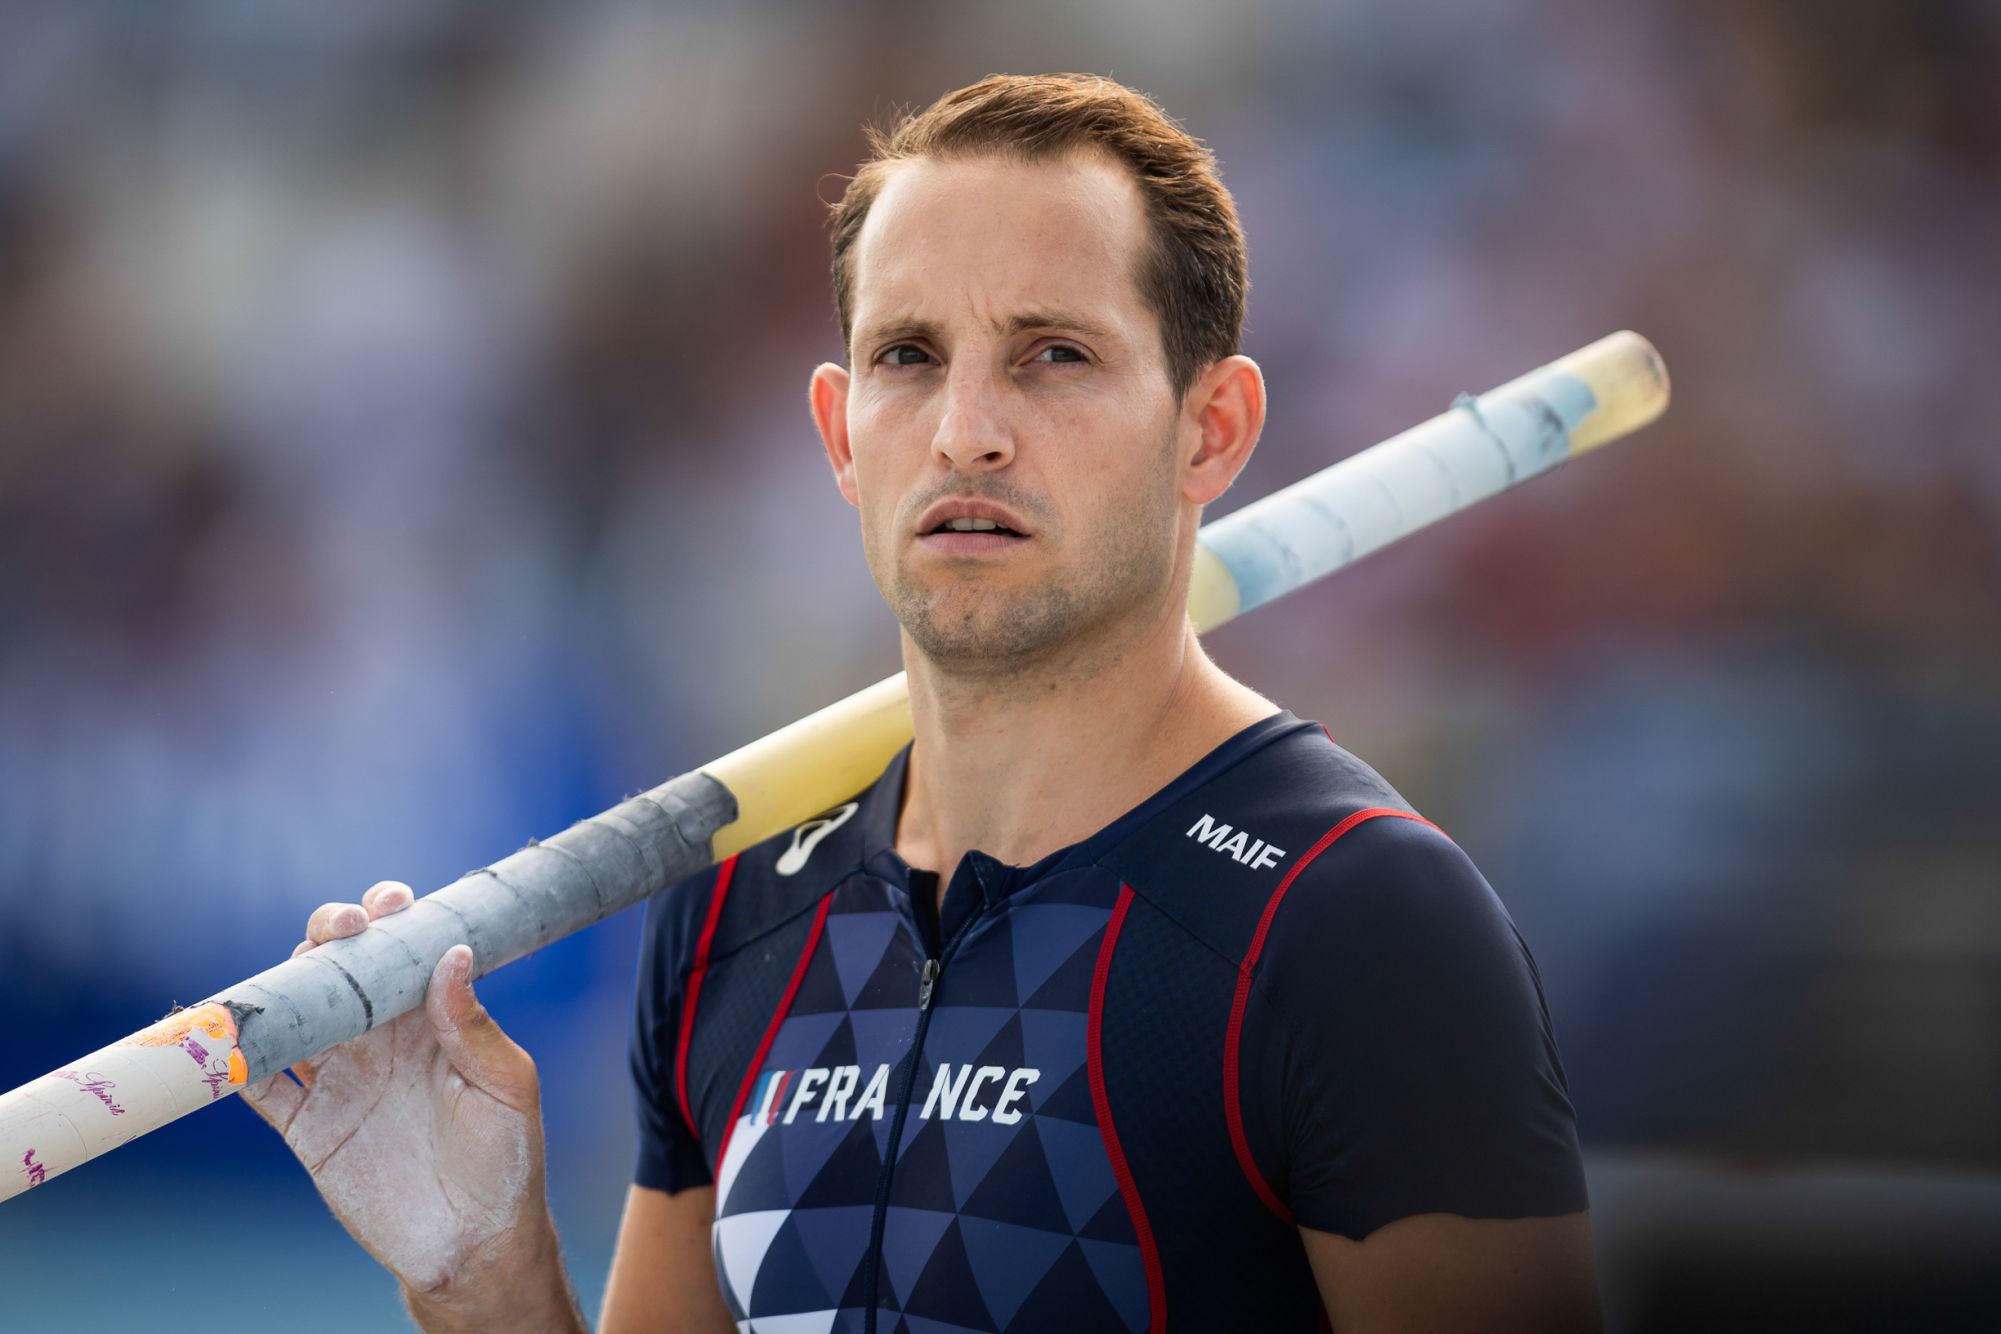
[[1078, 619]]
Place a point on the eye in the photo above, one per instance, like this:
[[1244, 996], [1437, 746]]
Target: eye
[[1059, 352], [903, 354]]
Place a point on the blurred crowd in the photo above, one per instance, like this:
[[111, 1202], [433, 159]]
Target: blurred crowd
[[403, 452]]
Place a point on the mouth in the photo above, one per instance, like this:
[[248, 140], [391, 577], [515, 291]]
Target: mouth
[[970, 527]]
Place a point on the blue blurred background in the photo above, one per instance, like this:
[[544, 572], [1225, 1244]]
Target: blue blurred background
[[403, 452]]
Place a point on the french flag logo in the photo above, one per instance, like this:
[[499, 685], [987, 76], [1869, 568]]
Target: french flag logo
[[768, 1095]]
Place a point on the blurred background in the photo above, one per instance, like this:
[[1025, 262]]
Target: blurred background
[[403, 452]]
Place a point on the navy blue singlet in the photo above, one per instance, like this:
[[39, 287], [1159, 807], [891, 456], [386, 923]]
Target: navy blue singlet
[[1103, 1092]]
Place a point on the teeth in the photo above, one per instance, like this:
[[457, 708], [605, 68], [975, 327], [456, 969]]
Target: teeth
[[971, 525]]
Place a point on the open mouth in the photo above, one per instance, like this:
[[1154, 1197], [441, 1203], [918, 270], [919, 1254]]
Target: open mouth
[[971, 525]]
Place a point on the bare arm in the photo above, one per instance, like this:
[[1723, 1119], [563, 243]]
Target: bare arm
[[1443, 1274], [662, 1279]]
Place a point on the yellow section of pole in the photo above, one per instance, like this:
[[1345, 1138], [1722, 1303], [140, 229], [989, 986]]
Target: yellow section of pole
[[1629, 380], [805, 767]]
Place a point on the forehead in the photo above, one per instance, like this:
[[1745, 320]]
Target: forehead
[[991, 237]]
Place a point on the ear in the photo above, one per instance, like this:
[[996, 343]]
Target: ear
[[827, 397], [1224, 410]]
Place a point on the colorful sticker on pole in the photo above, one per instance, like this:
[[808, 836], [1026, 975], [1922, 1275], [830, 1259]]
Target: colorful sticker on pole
[[207, 1033]]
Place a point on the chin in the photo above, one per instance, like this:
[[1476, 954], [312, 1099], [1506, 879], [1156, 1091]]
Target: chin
[[984, 631]]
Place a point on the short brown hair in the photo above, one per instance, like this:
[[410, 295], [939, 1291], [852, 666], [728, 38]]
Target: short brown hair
[[1194, 273]]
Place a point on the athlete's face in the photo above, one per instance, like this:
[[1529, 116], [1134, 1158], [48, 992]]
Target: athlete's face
[[1008, 430]]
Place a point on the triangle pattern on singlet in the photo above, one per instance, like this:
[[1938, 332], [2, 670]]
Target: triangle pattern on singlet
[[760, 1182], [958, 1028], [1121, 1272], [981, 972], [1004, 1050], [946, 1289], [973, 1149], [1068, 986], [1067, 1297], [1052, 1041], [891, 984], [1113, 1222], [915, 1233], [1078, 1170], [923, 1177], [740, 1243], [1049, 935], [1019, 1188], [805, 1322], [859, 942], [918, 1324], [801, 1038], [836, 1240], [1007, 1260], [1071, 1101], [885, 1035], [820, 988], [839, 1048], [787, 1279], [854, 1159], [856, 1296]]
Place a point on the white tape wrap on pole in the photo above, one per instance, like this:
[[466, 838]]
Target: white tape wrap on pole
[[595, 868], [1480, 447]]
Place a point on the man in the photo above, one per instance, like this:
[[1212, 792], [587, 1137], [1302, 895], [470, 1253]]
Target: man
[[1123, 1000]]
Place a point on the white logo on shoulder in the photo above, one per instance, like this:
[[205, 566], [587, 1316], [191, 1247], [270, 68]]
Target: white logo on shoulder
[[1257, 855], [807, 837]]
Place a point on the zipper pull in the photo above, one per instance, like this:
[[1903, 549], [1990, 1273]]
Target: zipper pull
[[925, 983]]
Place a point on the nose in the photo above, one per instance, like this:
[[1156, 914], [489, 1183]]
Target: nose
[[974, 434]]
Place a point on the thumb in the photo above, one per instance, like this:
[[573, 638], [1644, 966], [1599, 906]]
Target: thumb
[[486, 1057]]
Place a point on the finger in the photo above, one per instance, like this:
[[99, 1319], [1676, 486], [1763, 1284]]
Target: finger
[[387, 896], [486, 1057], [301, 948], [333, 921], [276, 1099]]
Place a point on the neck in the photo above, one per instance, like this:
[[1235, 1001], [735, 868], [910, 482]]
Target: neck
[[1023, 764]]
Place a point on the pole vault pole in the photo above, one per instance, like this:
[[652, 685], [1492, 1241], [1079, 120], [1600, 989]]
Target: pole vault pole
[[591, 870]]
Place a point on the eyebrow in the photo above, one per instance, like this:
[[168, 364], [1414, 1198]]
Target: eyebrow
[[1053, 319], [894, 330]]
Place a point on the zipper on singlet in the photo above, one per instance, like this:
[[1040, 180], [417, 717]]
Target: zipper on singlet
[[927, 988]]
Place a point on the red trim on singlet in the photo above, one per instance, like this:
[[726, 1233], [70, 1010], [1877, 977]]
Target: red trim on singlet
[[771, 1030], [695, 976], [1156, 1291], [1232, 1109]]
